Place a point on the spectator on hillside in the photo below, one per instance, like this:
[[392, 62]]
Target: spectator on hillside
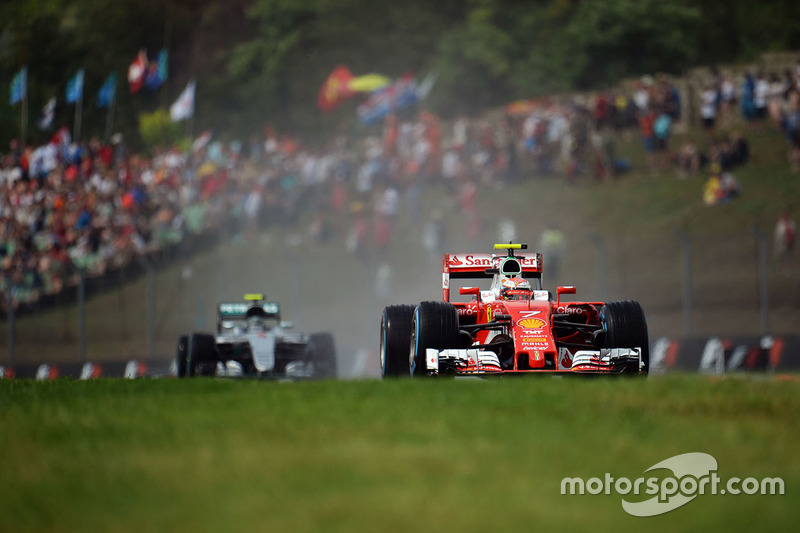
[[602, 111], [797, 73], [647, 119], [688, 159], [791, 127], [641, 93], [662, 129], [727, 93], [721, 187], [748, 98], [624, 114], [775, 99], [760, 96], [708, 108], [739, 149]]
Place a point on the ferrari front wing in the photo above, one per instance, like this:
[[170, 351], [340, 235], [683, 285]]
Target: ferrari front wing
[[484, 362]]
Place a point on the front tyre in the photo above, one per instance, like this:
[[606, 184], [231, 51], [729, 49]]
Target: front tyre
[[180, 356], [434, 325], [626, 327], [395, 335], [201, 359], [323, 355]]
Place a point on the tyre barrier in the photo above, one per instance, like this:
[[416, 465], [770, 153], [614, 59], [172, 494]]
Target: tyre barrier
[[721, 355], [713, 355], [133, 369]]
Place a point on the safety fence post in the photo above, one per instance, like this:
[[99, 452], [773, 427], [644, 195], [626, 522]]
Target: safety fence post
[[763, 278], [82, 315], [12, 328], [602, 265], [686, 253]]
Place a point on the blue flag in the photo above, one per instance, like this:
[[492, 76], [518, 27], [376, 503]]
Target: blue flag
[[162, 65], [107, 91], [75, 88], [157, 72], [19, 87]]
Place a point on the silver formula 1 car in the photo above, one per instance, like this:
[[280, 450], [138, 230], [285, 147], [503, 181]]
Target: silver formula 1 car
[[251, 340]]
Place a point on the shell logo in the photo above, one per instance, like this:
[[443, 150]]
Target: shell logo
[[531, 323]]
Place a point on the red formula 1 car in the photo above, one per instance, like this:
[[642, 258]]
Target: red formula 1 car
[[511, 327]]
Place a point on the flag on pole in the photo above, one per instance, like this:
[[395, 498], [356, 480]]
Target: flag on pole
[[62, 139], [45, 121], [427, 83], [107, 92], [183, 107], [163, 64], [19, 87], [137, 71], [75, 88], [335, 89], [368, 83], [400, 94], [201, 141], [157, 72]]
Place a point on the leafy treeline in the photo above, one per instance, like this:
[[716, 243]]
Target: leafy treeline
[[263, 61]]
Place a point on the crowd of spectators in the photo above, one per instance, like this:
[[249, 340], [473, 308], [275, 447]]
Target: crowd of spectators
[[91, 207], [70, 208], [766, 100]]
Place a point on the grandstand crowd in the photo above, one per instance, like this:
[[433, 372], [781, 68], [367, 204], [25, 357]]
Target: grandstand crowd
[[90, 206]]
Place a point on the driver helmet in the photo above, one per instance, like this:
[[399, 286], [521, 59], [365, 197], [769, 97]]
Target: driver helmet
[[515, 289], [256, 324]]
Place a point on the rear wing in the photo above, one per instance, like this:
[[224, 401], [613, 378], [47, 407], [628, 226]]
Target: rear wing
[[238, 310], [471, 266]]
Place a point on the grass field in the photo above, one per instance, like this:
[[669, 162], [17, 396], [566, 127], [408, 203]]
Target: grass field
[[215, 455]]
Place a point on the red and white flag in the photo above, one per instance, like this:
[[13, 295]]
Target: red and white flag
[[137, 71]]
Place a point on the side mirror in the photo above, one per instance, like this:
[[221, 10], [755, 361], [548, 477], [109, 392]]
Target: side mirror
[[287, 325], [564, 290], [475, 291]]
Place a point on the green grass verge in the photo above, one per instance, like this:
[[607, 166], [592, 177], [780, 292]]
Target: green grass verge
[[211, 455]]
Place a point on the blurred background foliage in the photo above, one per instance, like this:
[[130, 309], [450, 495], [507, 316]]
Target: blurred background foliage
[[262, 62]]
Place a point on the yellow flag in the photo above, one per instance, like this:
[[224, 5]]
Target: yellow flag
[[368, 83]]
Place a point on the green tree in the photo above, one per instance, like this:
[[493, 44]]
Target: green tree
[[158, 130], [607, 40], [474, 62]]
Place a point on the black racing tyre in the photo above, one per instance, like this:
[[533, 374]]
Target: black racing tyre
[[323, 355], [180, 356], [201, 358], [395, 336], [434, 325], [626, 327]]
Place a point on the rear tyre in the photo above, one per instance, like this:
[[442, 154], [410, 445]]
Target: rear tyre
[[434, 325], [626, 327], [180, 356], [202, 355], [395, 335], [323, 355]]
